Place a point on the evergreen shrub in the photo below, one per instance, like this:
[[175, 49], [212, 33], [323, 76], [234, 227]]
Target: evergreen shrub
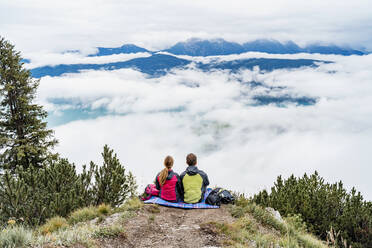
[[322, 206]]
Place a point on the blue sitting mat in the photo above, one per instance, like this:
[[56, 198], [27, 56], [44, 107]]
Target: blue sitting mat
[[159, 201]]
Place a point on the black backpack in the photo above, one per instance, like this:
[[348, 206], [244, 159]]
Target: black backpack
[[218, 196], [213, 198]]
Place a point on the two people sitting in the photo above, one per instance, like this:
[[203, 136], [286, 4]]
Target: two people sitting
[[189, 187]]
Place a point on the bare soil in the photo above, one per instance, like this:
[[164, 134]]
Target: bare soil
[[157, 226]]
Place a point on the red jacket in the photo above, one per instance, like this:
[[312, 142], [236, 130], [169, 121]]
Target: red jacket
[[171, 190]]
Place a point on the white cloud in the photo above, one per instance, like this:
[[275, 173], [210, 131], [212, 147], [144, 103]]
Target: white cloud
[[249, 55], [52, 59], [51, 26], [240, 146]]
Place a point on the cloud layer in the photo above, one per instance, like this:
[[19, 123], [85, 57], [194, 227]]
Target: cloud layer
[[55, 26], [242, 146], [52, 59]]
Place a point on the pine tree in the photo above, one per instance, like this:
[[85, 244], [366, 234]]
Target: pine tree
[[322, 206], [36, 194], [112, 184], [24, 137]]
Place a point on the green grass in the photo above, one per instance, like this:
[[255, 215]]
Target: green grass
[[247, 224], [265, 240], [126, 216], [255, 226], [15, 236], [259, 213], [87, 233], [265, 218], [109, 232], [237, 211], [216, 228], [104, 209], [54, 224], [151, 219], [307, 240], [297, 223], [153, 208], [241, 200], [83, 214], [61, 232], [81, 234], [133, 204]]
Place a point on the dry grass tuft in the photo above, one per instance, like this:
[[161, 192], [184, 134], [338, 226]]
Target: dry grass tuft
[[104, 209], [83, 214], [54, 224]]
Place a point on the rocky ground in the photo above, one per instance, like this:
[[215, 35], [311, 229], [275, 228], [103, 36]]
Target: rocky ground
[[157, 226], [136, 226]]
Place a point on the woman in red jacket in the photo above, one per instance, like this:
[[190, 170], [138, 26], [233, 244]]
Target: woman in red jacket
[[169, 183]]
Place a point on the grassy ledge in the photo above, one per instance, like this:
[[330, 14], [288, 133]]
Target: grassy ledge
[[84, 227], [254, 226]]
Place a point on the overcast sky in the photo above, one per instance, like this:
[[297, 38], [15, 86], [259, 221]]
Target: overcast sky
[[70, 24], [241, 146]]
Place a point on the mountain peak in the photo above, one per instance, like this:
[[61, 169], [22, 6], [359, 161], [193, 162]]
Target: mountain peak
[[200, 47], [218, 46], [126, 48]]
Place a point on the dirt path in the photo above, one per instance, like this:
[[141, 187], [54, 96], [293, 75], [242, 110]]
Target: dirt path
[[170, 227]]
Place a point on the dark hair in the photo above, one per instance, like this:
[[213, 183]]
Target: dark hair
[[191, 159]]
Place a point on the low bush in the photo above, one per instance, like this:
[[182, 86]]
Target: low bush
[[37, 194], [322, 206]]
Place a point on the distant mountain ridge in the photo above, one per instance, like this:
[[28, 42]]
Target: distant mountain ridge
[[200, 47], [156, 64], [159, 64]]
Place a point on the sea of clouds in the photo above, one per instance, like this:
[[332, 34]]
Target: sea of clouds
[[242, 146]]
